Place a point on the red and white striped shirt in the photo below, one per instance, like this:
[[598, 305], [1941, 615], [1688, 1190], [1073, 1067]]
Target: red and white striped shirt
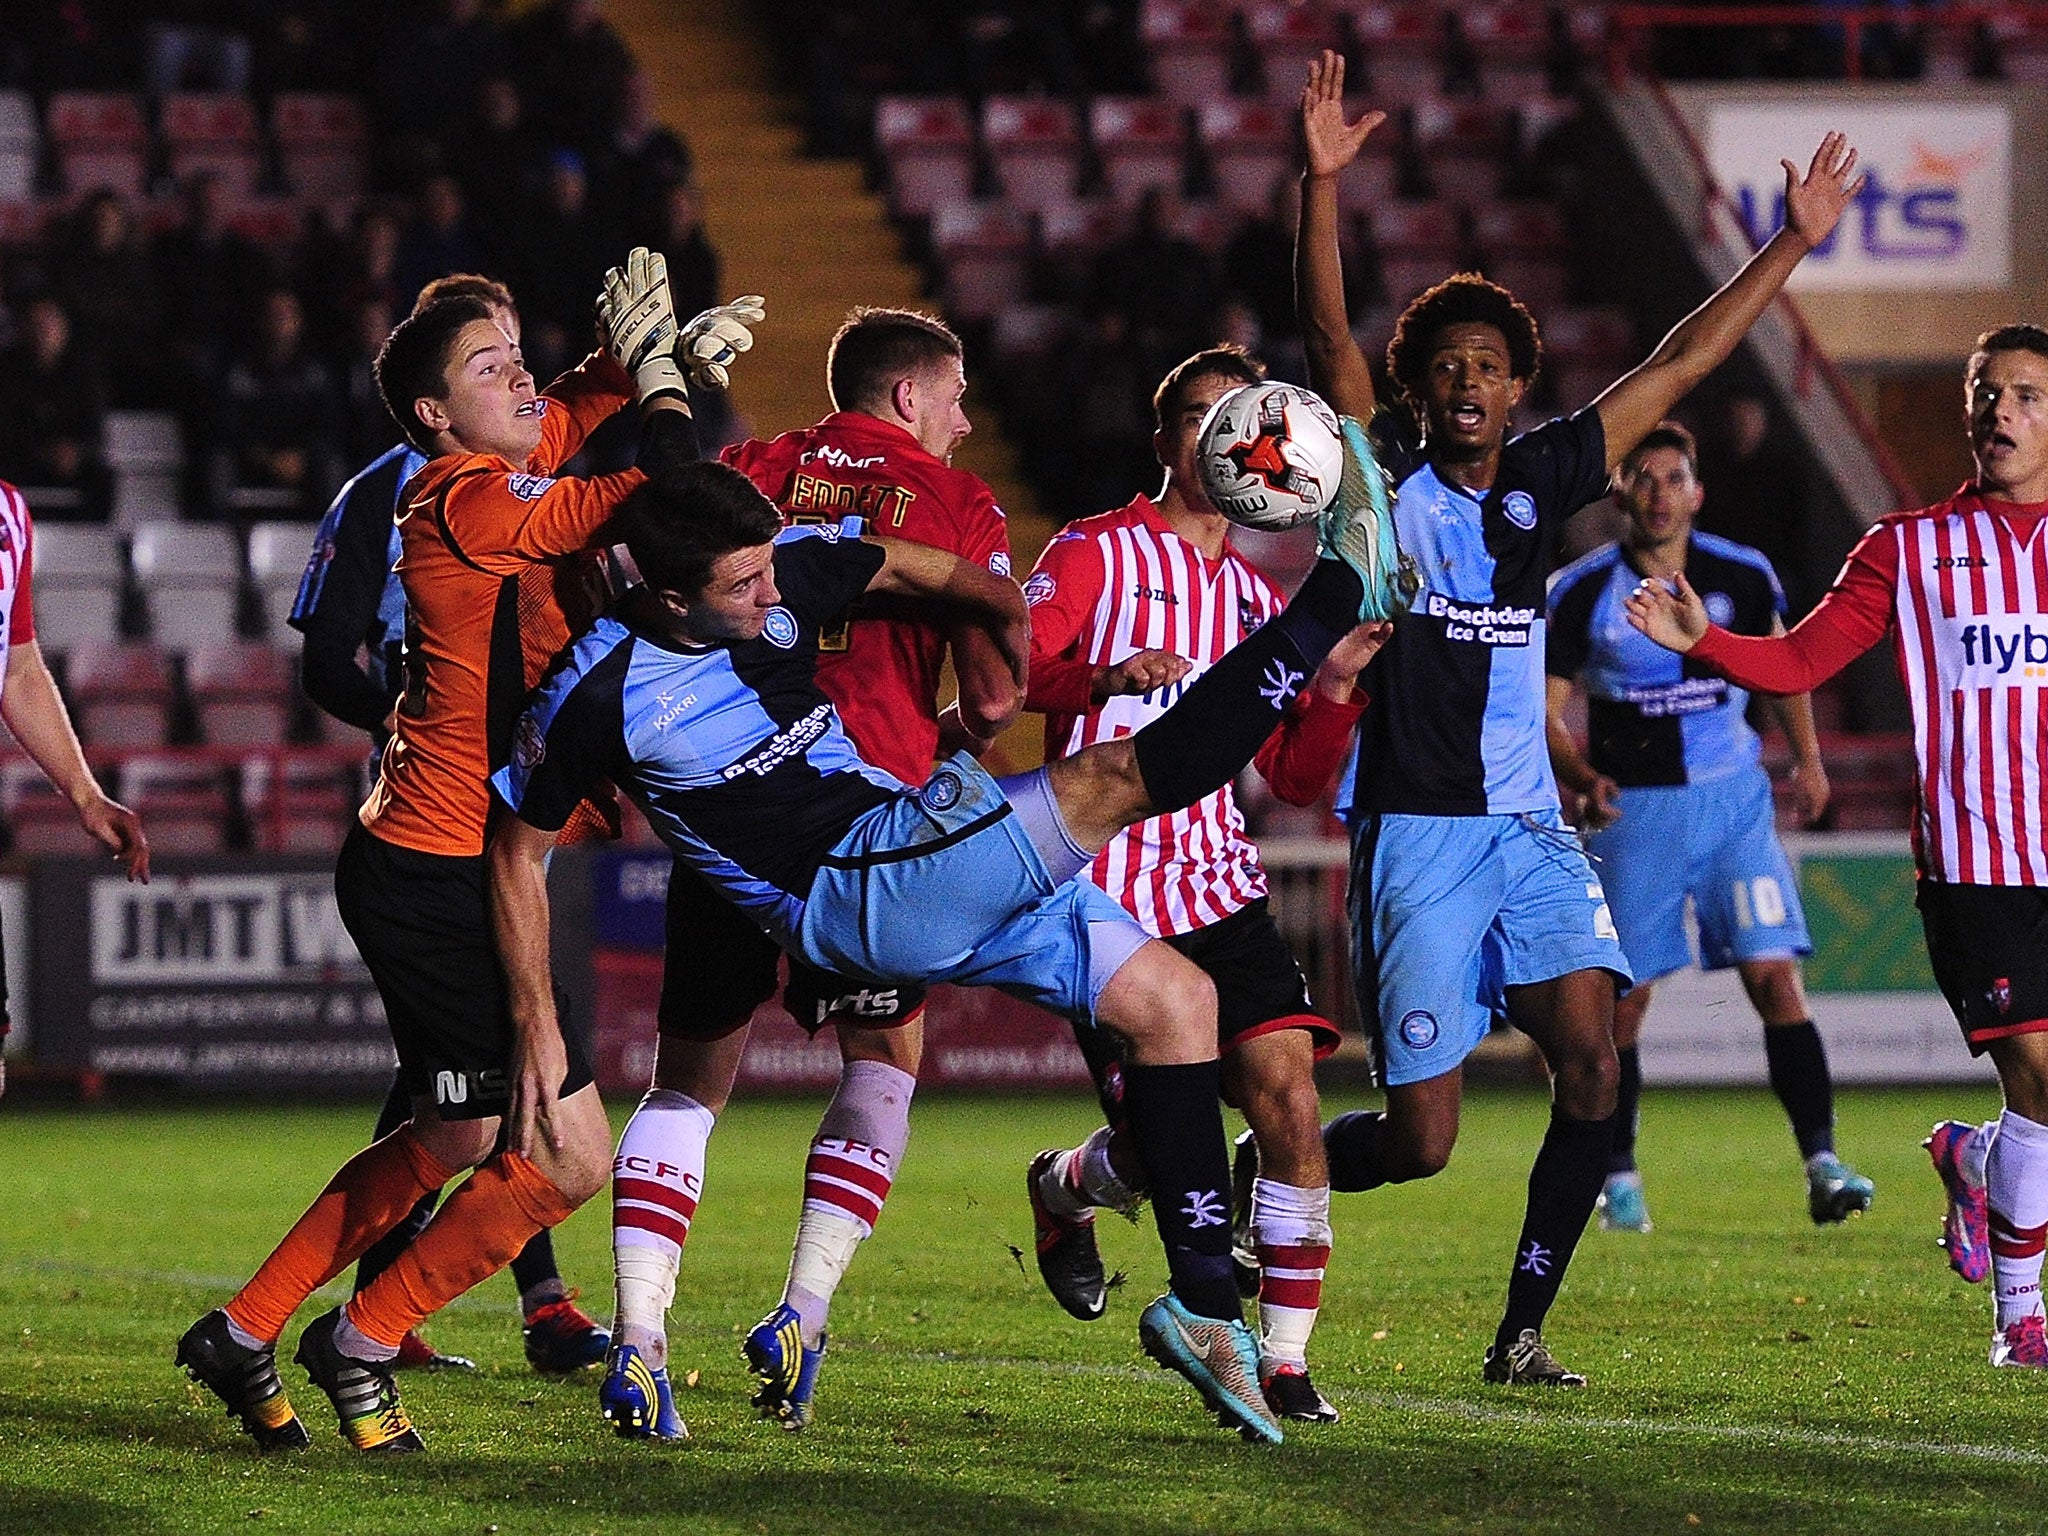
[[1106, 588], [17, 559], [1961, 585]]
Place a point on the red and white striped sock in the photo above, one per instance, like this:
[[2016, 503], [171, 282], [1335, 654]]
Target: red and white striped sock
[[2017, 1182], [847, 1177], [1291, 1230], [657, 1179]]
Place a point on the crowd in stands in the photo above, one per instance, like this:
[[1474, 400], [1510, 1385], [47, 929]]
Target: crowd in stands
[[248, 296]]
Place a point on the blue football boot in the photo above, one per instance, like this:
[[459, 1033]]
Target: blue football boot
[[635, 1398], [785, 1367]]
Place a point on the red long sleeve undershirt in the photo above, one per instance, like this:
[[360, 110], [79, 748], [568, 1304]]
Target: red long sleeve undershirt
[[1849, 620]]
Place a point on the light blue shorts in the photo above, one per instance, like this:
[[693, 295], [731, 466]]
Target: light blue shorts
[[942, 884], [1448, 912], [1715, 843]]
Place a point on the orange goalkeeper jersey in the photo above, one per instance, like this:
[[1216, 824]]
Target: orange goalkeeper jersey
[[490, 599]]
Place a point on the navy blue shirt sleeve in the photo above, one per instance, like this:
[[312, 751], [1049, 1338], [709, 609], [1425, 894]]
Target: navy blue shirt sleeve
[[821, 567], [1563, 463], [339, 596]]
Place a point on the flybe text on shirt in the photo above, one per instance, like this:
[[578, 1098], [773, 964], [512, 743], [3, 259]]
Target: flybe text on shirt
[[1998, 650], [1487, 626]]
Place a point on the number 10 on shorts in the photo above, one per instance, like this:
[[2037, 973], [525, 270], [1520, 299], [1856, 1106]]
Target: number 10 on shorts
[[1759, 902]]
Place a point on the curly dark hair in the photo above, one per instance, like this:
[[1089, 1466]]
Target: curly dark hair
[[1466, 298]]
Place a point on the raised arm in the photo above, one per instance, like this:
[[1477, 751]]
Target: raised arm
[[1337, 369], [520, 921], [1702, 341]]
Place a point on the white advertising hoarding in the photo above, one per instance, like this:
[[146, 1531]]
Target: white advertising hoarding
[[1935, 211]]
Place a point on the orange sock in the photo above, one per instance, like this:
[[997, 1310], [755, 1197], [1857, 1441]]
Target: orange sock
[[366, 1199], [477, 1232]]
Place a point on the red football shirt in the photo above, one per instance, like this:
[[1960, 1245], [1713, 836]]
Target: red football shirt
[[881, 667]]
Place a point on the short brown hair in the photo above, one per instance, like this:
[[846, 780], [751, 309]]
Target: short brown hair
[[466, 285], [412, 365], [1224, 361], [678, 526], [876, 347], [1666, 434], [2022, 336]]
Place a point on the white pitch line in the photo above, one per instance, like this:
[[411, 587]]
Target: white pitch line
[[1393, 1402]]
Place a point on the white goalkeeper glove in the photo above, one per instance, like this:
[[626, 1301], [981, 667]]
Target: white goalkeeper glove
[[640, 323], [711, 341]]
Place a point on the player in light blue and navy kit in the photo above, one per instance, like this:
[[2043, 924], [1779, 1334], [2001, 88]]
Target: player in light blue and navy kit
[[699, 699], [1679, 804], [1470, 896]]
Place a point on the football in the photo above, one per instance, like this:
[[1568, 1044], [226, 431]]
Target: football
[[1271, 456]]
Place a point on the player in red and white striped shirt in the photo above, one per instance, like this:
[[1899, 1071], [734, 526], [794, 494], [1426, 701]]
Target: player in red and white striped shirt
[[35, 713], [1126, 609], [1960, 587]]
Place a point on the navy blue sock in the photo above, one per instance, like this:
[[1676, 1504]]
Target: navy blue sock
[[535, 1263], [1219, 724], [1352, 1144], [1628, 1109], [1176, 1121], [1563, 1185], [1799, 1077]]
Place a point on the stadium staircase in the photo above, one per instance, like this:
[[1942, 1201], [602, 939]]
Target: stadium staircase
[[804, 232]]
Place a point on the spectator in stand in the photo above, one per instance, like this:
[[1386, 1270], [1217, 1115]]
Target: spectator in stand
[[207, 270], [1109, 451], [1258, 264], [559, 261], [693, 264], [1758, 496], [572, 69], [343, 275], [428, 72], [193, 45], [103, 276], [438, 241], [52, 412], [1162, 284], [367, 424], [280, 418], [632, 174], [498, 159]]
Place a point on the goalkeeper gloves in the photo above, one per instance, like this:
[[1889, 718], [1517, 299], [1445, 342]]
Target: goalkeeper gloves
[[711, 341], [640, 323]]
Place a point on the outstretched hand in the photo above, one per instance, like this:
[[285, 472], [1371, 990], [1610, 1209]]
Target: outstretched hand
[[1675, 619], [1816, 201], [1332, 142]]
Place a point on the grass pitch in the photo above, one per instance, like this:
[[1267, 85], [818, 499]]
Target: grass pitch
[[1749, 1372]]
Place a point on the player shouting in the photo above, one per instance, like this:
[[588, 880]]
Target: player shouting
[[700, 700], [486, 529], [1470, 896], [1959, 586], [1124, 607], [351, 603], [896, 381], [1680, 807]]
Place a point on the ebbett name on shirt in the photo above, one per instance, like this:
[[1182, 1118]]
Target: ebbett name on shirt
[[1487, 626], [1998, 649]]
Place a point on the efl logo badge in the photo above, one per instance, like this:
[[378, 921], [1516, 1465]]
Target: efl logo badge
[[529, 487], [779, 628], [1040, 587]]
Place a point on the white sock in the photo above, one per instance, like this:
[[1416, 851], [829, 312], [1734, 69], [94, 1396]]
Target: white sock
[[1975, 1150], [1291, 1229], [358, 1345], [657, 1179], [1097, 1176], [2017, 1182], [847, 1177]]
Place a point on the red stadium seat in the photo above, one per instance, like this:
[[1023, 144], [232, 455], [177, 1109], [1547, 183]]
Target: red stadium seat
[[300, 802], [183, 803], [1422, 231], [1141, 142], [1401, 44], [213, 131], [928, 145], [1288, 36], [1035, 144], [39, 816], [1250, 146], [101, 141], [21, 140], [243, 694], [1204, 222], [1188, 48], [1026, 331], [1579, 334], [121, 693], [1520, 229], [323, 143], [985, 250]]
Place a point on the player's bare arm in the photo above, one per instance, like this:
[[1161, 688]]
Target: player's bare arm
[[35, 713], [919, 570], [519, 918], [1702, 341], [990, 696], [1808, 779], [1601, 794], [1337, 369]]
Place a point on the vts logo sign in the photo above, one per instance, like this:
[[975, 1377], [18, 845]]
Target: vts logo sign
[[1934, 210]]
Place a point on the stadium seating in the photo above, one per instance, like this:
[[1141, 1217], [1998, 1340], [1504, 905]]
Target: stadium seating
[[927, 143], [190, 577], [121, 692], [39, 817], [146, 452], [277, 561], [1188, 46], [1287, 38], [323, 144], [1140, 142], [1034, 143], [216, 132], [243, 694], [1250, 145], [101, 140], [182, 800], [300, 802], [985, 248], [79, 576]]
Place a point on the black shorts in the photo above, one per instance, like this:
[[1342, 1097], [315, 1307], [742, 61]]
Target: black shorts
[[718, 967], [422, 925], [1259, 990], [1988, 945]]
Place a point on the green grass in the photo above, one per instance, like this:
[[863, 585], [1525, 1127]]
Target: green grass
[[1748, 1371]]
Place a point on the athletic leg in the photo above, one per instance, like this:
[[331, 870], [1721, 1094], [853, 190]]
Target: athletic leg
[[1621, 1203]]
